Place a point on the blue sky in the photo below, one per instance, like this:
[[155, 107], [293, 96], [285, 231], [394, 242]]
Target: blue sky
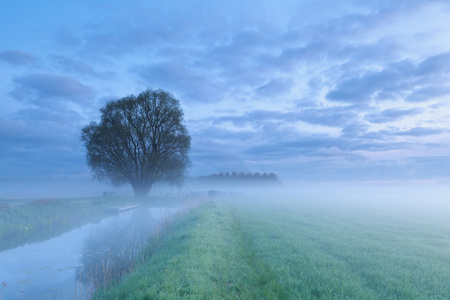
[[311, 90]]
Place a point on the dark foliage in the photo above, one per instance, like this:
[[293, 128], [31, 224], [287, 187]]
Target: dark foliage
[[139, 140]]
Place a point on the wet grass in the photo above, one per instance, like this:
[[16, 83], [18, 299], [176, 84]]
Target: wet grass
[[342, 253], [207, 255], [238, 251]]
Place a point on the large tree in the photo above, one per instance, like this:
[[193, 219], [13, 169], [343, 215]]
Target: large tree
[[139, 140]]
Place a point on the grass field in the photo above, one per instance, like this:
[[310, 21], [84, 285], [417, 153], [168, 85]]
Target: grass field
[[244, 250]]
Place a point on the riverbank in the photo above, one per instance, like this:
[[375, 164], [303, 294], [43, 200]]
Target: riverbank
[[230, 250]]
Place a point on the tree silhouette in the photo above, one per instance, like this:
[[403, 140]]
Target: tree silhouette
[[139, 140]]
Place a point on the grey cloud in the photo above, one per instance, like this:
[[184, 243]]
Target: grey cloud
[[44, 161], [294, 146], [275, 87], [118, 41], [320, 146], [388, 135], [355, 129], [190, 83], [45, 86], [246, 43], [118, 37], [258, 118], [437, 64], [420, 131], [333, 116], [72, 65], [79, 67], [392, 114], [428, 78], [221, 136], [41, 143], [65, 37], [293, 56], [65, 118], [34, 132], [308, 45], [428, 93], [17, 58], [280, 139], [384, 85], [382, 135]]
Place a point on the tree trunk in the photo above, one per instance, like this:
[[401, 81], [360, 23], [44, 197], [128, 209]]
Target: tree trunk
[[141, 190]]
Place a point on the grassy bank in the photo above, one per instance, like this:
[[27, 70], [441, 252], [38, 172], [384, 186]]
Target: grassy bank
[[224, 250], [206, 256]]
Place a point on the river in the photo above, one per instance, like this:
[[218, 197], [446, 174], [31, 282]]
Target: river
[[73, 264]]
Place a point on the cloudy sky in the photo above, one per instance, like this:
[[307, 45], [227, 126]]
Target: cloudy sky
[[312, 90]]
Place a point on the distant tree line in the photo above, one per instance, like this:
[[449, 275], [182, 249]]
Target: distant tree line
[[243, 177]]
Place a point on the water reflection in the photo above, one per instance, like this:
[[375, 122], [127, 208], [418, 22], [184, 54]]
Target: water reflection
[[110, 252]]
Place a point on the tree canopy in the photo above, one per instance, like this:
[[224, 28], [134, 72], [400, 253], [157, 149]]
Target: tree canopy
[[139, 140]]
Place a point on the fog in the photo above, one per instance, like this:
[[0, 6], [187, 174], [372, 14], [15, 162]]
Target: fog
[[383, 197], [390, 197], [422, 196], [398, 199]]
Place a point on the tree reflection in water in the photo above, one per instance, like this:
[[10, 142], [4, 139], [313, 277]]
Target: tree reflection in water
[[110, 252]]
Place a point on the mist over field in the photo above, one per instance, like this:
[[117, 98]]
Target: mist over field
[[408, 196], [56, 188]]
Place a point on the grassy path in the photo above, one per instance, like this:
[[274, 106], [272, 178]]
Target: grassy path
[[208, 256], [238, 251]]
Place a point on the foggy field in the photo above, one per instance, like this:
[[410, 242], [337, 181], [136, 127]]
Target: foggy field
[[279, 249]]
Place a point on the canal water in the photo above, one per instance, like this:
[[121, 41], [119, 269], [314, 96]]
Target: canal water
[[73, 264]]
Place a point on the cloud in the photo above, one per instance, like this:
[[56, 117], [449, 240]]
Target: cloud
[[67, 38], [421, 131], [430, 92], [392, 115], [41, 142], [330, 116], [79, 67], [334, 63], [18, 58], [434, 65], [195, 85], [41, 87], [355, 129], [65, 119], [275, 87], [399, 80]]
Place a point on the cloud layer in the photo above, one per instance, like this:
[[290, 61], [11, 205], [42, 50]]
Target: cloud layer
[[311, 90]]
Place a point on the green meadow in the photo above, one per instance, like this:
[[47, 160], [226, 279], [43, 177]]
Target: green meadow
[[248, 250]]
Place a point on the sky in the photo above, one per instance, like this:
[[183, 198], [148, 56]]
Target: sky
[[311, 90]]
